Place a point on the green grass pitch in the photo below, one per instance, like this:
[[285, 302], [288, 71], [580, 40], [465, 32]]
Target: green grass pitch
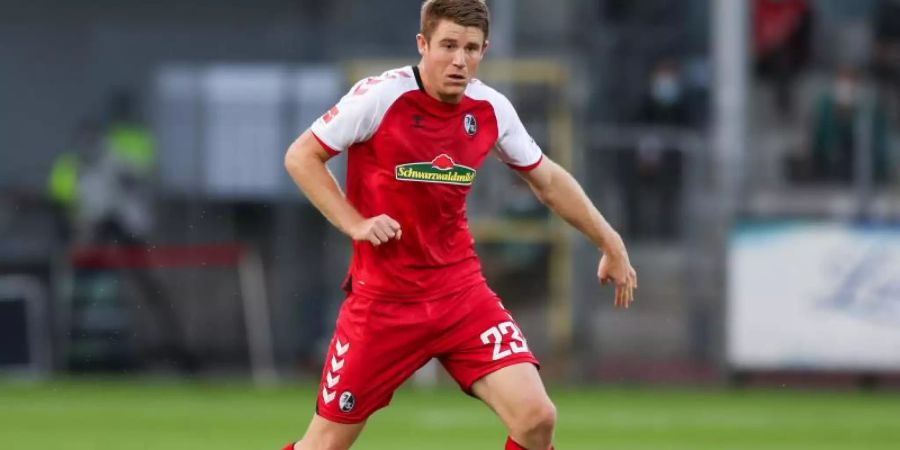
[[136, 415]]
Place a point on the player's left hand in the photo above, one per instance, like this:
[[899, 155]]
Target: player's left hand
[[616, 268]]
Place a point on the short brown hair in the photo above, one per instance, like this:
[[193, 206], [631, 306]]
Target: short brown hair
[[468, 13]]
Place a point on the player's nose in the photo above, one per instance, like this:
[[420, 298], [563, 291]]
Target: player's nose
[[459, 59]]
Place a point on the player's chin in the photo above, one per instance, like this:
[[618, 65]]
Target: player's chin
[[454, 88]]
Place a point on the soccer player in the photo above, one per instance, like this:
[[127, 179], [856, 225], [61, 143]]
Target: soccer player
[[415, 138]]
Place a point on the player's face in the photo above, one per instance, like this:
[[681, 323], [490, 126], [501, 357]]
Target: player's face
[[450, 59]]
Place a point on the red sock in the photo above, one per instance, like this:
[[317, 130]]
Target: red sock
[[513, 445], [289, 446]]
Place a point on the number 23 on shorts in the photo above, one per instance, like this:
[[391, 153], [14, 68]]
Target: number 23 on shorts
[[494, 335]]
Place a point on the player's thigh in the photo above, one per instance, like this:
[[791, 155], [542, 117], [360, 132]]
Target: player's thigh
[[482, 339], [488, 356], [517, 394], [324, 434], [376, 346]]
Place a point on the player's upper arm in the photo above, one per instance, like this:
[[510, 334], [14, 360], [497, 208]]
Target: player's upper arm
[[356, 117], [347, 122], [304, 148], [540, 177], [515, 146], [545, 179]]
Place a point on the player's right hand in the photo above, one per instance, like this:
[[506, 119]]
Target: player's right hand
[[377, 230], [615, 267]]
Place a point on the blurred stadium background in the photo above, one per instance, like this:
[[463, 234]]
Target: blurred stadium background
[[164, 285]]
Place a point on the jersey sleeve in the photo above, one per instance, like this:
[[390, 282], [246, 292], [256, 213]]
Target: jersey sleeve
[[353, 119], [515, 146]]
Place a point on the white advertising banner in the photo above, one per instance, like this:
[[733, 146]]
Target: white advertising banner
[[823, 296]]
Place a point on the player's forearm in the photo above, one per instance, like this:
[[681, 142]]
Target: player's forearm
[[318, 184], [568, 200]]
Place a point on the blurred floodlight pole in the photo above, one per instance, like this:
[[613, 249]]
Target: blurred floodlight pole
[[863, 168], [503, 20], [730, 138], [729, 31]]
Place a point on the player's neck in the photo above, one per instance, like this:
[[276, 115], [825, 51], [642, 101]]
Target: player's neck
[[432, 92]]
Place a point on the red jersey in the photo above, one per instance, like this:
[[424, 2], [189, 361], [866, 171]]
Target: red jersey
[[415, 158]]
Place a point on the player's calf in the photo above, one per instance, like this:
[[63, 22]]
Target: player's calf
[[324, 434]]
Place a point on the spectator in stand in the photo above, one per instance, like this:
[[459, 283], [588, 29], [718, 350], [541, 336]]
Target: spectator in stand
[[651, 172], [781, 44], [840, 111]]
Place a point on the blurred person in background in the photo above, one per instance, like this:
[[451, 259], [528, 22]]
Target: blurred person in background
[[844, 111], [101, 184], [415, 138], [116, 188], [650, 173], [664, 102], [68, 167], [886, 58], [104, 188], [887, 45], [782, 32]]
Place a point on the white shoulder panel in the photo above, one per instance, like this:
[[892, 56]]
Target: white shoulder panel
[[514, 146], [357, 115]]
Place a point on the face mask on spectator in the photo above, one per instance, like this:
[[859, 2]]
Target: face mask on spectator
[[666, 89], [846, 93]]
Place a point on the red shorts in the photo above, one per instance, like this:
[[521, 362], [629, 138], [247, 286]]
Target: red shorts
[[377, 345]]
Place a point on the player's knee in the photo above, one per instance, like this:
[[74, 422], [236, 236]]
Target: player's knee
[[545, 418], [537, 419]]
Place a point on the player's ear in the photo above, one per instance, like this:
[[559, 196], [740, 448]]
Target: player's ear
[[485, 47], [421, 43]]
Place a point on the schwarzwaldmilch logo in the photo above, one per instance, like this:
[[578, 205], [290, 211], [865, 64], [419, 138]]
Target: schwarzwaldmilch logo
[[441, 169]]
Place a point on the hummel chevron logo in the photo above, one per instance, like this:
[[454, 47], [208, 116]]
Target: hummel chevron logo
[[341, 349], [336, 364], [327, 396], [332, 380]]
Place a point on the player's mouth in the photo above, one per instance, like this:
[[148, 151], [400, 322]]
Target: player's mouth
[[457, 79]]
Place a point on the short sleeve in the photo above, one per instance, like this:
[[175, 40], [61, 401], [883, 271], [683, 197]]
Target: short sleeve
[[515, 146], [351, 120]]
